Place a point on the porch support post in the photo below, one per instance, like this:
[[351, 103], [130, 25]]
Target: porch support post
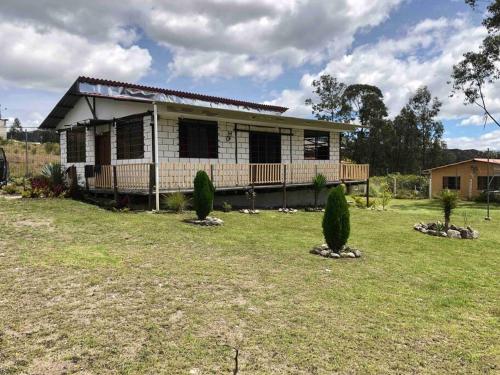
[[115, 184], [151, 185], [157, 165], [284, 186], [367, 192], [236, 143]]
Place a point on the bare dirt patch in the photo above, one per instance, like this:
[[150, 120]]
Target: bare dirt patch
[[31, 223]]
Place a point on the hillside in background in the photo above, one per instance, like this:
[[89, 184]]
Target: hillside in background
[[455, 155]]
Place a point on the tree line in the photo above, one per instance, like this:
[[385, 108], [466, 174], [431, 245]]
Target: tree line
[[413, 140], [409, 143], [18, 133]]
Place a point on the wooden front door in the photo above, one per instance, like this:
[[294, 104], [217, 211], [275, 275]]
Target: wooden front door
[[103, 149]]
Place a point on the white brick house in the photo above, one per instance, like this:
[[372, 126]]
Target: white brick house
[[107, 123]]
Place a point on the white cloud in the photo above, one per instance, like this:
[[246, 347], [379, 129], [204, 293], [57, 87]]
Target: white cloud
[[489, 140], [210, 64], [423, 56], [216, 38], [478, 120], [49, 58]]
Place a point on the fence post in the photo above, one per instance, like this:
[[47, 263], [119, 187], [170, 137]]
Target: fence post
[[430, 187], [115, 184], [212, 173], [151, 184], [367, 192], [284, 186]]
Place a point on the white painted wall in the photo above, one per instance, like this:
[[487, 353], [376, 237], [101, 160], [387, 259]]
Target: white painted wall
[[169, 139], [3, 129]]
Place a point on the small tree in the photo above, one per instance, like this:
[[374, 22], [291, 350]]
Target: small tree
[[336, 222], [203, 196], [319, 183], [448, 201], [385, 195]]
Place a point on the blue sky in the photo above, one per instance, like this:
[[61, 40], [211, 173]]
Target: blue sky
[[259, 50]]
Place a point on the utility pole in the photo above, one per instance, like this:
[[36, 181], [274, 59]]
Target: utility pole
[[488, 189]]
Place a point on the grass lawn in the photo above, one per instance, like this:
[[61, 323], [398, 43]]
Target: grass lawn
[[84, 290]]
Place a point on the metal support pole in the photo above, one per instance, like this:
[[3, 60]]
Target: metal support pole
[[488, 189], [26, 151], [157, 165]]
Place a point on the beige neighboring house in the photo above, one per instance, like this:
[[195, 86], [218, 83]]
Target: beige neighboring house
[[469, 178], [3, 128]]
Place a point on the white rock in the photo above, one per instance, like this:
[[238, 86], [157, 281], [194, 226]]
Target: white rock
[[325, 253], [453, 234]]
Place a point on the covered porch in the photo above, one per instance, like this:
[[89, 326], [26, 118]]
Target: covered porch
[[179, 176]]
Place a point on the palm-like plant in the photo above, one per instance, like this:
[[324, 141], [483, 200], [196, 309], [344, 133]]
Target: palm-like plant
[[54, 173], [319, 183], [448, 201]]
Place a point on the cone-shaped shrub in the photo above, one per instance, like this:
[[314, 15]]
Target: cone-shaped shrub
[[336, 222], [203, 196]]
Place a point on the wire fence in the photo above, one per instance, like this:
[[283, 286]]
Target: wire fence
[[28, 159]]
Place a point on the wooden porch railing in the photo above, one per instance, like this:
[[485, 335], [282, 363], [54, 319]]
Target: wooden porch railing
[[180, 176]]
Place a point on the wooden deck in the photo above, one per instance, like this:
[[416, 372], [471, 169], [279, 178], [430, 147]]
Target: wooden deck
[[139, 178]]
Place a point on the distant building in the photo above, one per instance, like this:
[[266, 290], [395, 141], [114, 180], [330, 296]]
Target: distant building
[[469, 178], [3, 128]]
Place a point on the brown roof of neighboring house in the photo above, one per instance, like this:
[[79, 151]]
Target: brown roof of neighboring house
[[482, 160], [494, 161]]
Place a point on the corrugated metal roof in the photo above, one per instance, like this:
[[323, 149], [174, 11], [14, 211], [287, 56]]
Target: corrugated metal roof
[[482, 160], [183, 94], [73, 94]]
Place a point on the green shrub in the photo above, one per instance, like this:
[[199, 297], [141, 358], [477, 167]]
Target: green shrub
[[336, 222], [19, 181], [176, 202], [226, 207], [10, 188], [448, 200], [319, 183], [360, 202], [203, 195], [482, 197], [28, 193]]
